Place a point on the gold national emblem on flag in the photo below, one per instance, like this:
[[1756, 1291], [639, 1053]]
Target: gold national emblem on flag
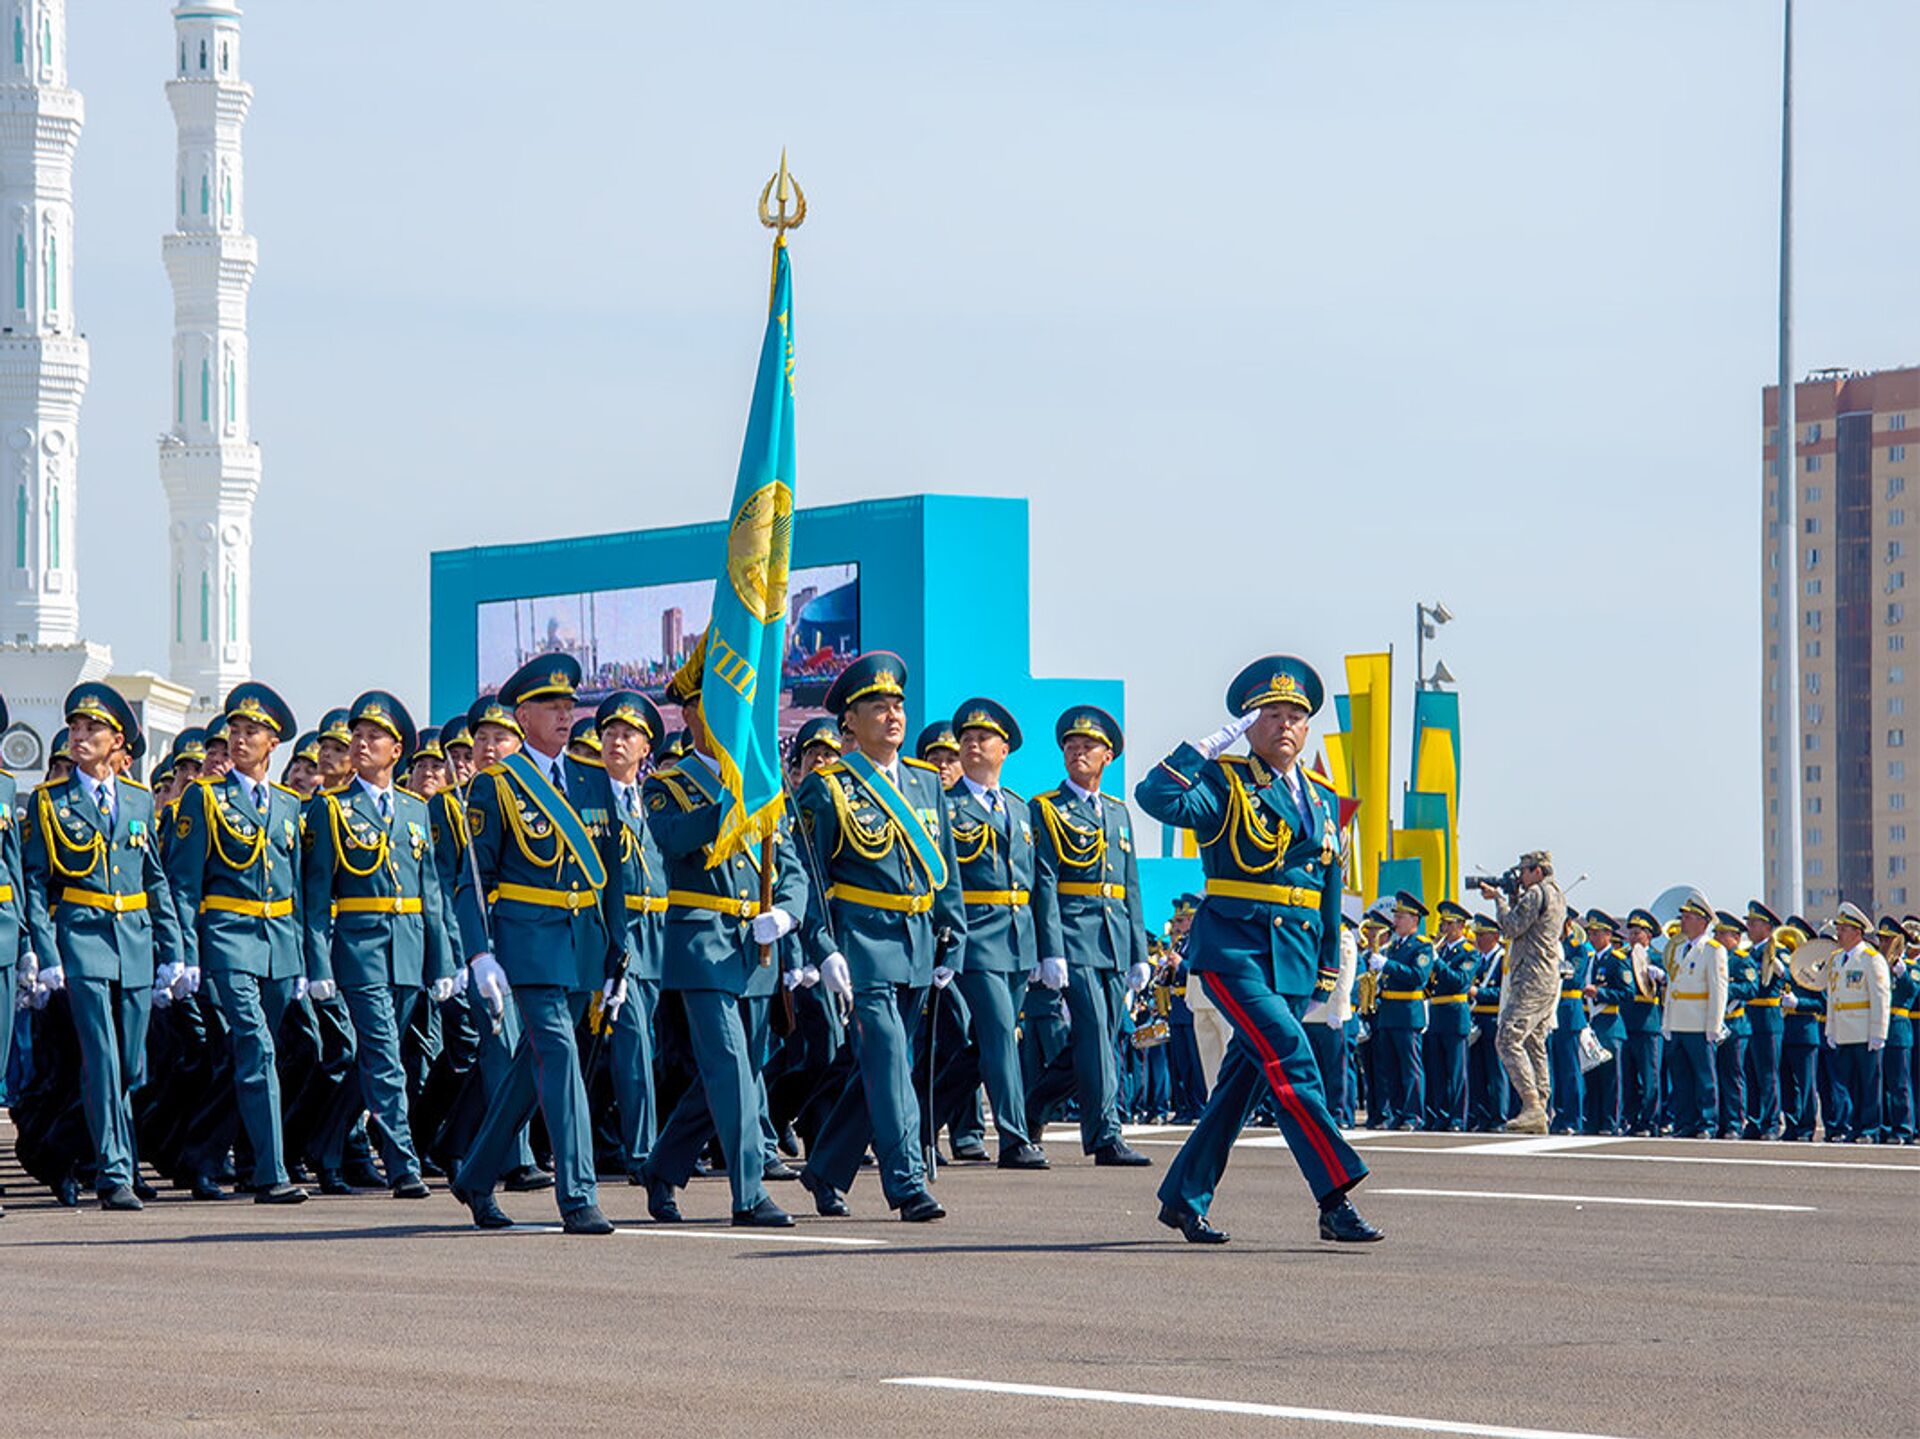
[[758, 545]]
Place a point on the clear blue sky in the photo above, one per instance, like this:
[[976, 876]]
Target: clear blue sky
[[1283, 315]]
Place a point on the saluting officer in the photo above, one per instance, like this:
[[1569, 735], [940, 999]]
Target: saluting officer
[[1403, 968], [100, 914], [882, 846], [1767, 1020], [1266, 938], [993, 839], [1092, 936], [543, 917], [718, 953], [1444, 1050], [375, 922]]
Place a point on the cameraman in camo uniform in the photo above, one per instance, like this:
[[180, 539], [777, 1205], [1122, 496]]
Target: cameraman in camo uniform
[[1531, 921]]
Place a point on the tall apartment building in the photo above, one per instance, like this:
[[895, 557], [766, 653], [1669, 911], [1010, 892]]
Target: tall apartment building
[[1857, 464]]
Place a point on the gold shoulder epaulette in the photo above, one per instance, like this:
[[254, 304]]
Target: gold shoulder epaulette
[[832, 766], [588, 760], [288, 789], [920, 763], [129, 779], [1322, 780], [337, 789], [414, 792], [496, 768]]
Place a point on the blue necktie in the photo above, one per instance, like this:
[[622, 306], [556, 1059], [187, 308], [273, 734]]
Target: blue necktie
[[386, 808]]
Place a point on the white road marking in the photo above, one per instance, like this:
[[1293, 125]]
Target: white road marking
[[677, 1231], [1659, 1158], [1596, 1199], [1236, 1406]]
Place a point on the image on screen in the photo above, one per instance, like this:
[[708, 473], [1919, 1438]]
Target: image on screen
[[635, 638]]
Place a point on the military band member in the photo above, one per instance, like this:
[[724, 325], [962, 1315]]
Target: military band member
[[1569, 1101], [1859, 1010], [886, 882], [720, 952], [1266, 938], [1610, 988], [626, 727], [1325, 1022], [1767, 1022], [1443, 1054], [993, 838], [1486, 1075], [1694, 1017], [375, 921], [1089, 927], [1896, 1065], [1730, 1057], [1640, 1083], [1802, 1038], [100, 915], [1402, 970], [543, 918]]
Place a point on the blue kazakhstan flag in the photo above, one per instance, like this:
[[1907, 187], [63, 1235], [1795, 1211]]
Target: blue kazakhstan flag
[[747, 636]]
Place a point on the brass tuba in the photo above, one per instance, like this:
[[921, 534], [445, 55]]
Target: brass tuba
[[1812, 964]]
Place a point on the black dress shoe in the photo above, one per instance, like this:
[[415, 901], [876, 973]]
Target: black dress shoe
[[1343, 1223], [144, 1191], [827, 1200], [701, 1169], [1194, 1227], [121, 1196], [410, 1186], [205, 1188], [67, 1193], [764, 1215], [921, 1208], [297, 1173], [526, 1180], [362, 1175], [332, 1181], [970, 1154], [486, 1210], [1023, 1156], [661, 1203], [587, 1219], [777, 1169], [789, 1141], [280, 1194], [430, 1170], [1121, 1153]]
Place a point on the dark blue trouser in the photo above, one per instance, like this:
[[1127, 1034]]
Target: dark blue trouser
[[1896, 1086], [878, 1106], [1730, 1058], [376, 1009], [1763, 1082], [1641, 1082], [544, 1075], [1095, 998], [1856, 1075], [1833, 1099], [1486, 1077], [1269, 1051], [728, 1039], [1329, 1042], [1189, 1080], [1397, 1068], [110, 1026], [1603, 1085], [253, 1008], [1569, 1084], [1443, 1059], [1799, 1064], [1696, 1108], [631, 1050]]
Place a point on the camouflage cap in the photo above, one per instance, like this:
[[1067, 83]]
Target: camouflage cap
[[1537, 858]]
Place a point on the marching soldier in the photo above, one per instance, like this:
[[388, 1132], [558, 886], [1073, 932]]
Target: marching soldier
[[1486, 1076], [1767, 1022], [1860, 1008], [993, 839], [1640, 1082], [1896, 1067], [543, 913], [583, 740], [302, 772], [887, 881], [375, 922], [1610, 987], [1266, 938], [939, 747], [1569, 1099], [1730, 1058], [1089, 926], [100, 914], [1444, 1050], [1695, 1015], [717, 954], [1183, 1049], [1402, 970]]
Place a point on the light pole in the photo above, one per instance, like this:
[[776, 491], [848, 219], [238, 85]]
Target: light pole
[[1426, 619], [1786, 577]]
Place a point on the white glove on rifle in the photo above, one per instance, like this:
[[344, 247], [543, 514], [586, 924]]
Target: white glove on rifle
[[321, 990], [771, 926], [490, 981], [942, 976], [613, 994], [1216, 743], [1138, 976], [835, 975], [443, 989], [1052, 973]]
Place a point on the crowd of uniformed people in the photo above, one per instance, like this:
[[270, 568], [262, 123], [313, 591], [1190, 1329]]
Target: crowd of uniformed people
[[507, 952]]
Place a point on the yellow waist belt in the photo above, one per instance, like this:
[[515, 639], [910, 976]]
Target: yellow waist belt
[[1447, 999], [1573, 994], [1855, 1004], [1410, 994], [1901, 1013], [1688, 994], [393, 904], [1013, 897], [94, 899], [646, 904], [1486, 1009], [567, 899], [1609, 1009], [880, 899], [6, 893], [257, 908], [713, 903], [1269, 893], [1773, 1003], [1093, 891]]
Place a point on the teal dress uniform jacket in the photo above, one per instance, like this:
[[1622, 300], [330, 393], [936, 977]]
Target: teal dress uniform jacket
[[996, 880], [1454, 968], [235, 877], [1086, 887], [374, 911], [1406, 972]]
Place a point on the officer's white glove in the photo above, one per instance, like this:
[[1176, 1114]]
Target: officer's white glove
[[52, 980], [490, 981], [793, 978], [42, 992], [1138, 976], [186, 980], [1053, 972], [1874, 1046], [835, 975], [1216, 743], [809, 976], [299, 988], [443, 989], [942, 976], [321, 990], [1832, 1043], [1899, 968], [1376, 961], [613, 994], [460, 980], [771, 926], [1789, 1000], [1655, 972], [162, 995], [1721, 1037], [29, 969]]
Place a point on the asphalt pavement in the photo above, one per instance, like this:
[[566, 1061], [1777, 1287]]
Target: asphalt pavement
[[1526, 1287]]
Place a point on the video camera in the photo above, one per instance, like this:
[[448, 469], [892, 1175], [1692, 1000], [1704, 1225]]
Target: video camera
[[1508, 883]]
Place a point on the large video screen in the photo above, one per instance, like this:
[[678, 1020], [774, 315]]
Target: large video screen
[[636, 638]]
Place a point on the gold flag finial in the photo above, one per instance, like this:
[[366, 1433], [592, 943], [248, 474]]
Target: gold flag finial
[[790, 202]]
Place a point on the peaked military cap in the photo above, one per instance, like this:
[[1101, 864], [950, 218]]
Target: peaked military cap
[[1276, 679], [1092, 721], [684, 687], [982, 713], [821, 729], [1800, 925], [585, 731], [307, 747], [1723, 920], [1600, 919], [1890, 928], [1693, 904], [378, 707], [675, 745], [137, 746], [427, 746], [1485, 924], [455, 731], [1405, 902], [62, 747], [104, 703], [334, 726], [158, 779], [1451, 909], [1851, 913], [544, 677], [938, 735], [216, 731], [877, 672], [190, 744], [1643, 919], [259, 703], [488, 709], [1757, 910], [1187, 904], [630, 707]]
